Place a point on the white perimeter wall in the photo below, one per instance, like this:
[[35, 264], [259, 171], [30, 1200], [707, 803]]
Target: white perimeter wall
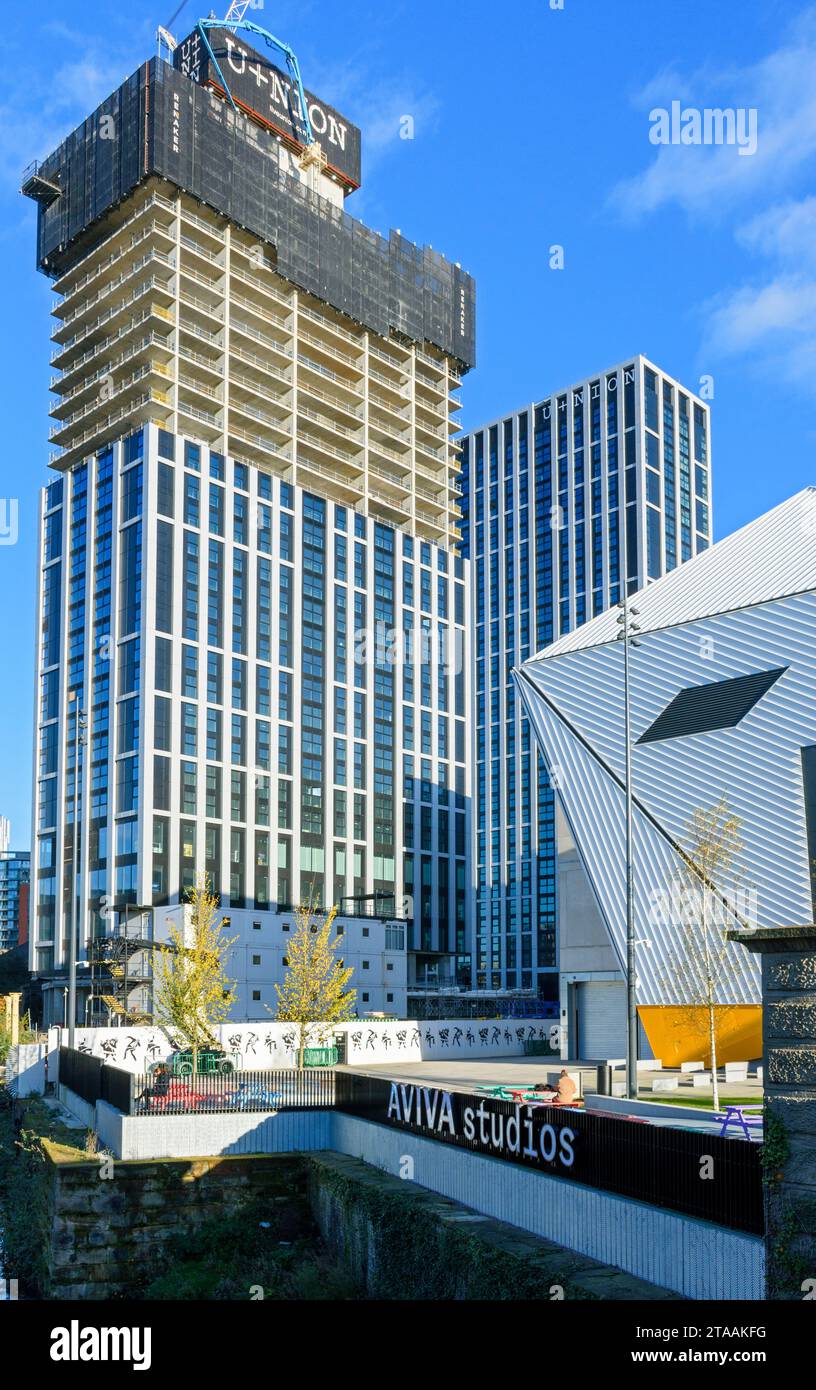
[[269, 1044]]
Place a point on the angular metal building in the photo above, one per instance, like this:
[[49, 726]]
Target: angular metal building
[[722, 712]]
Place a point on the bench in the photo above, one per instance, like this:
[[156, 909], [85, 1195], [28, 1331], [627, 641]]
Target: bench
[[742, 1116]]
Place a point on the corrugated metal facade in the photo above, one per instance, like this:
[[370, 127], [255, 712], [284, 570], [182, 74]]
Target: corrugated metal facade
[[690, 636]]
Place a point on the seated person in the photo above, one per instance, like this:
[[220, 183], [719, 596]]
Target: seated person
[[567, 1089], [563, 1094]]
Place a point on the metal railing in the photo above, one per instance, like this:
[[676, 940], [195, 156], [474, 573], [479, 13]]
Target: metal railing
[[162, 1092], [233, 1093], [92, 1079]]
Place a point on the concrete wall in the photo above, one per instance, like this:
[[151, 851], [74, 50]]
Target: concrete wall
[[191, 1136], [693, 1258], [399, 1240], [25, 1069], [270, 1044]]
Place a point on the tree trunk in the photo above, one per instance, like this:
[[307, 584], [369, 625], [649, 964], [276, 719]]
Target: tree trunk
[[712, 1032]]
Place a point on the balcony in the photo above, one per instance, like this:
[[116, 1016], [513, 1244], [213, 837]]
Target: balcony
[[99, 405], [99, 258], [280, 350], [270, 292], [208, 422], [258, 448], [332, 355], [148, 406], [330, 426], [317, 370], [349, 411], [113, 320], [151, 344], [402, 485], [398, 394], [345, 488], [326, 452], [266, 373], [398, 417], [277, 425]]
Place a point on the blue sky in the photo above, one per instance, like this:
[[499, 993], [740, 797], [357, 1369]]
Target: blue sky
[[531, 129]]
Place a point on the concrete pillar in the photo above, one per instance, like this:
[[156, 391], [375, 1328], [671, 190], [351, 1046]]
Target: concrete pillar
[[13, 1017], [789, 1059]]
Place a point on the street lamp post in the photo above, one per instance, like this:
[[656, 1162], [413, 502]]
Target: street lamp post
[[79, 742], [626, 629]]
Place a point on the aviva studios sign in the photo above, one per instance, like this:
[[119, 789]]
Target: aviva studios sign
[[649, 1163], [535, 1134]]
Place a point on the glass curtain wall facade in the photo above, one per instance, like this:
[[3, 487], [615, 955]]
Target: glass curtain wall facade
[[15, 869], [250, 589], [275, 689], [603, 484]]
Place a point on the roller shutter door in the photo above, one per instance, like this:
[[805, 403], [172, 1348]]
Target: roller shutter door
[[601, 1020]]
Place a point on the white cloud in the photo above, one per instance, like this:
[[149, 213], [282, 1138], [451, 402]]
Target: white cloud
[[770, 319], [786, 231], [42, 104], [752, 317], [708, 180]]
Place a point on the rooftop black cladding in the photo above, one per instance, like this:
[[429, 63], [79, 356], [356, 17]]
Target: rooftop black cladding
[[164, 124], [719, 705], [258, 86]]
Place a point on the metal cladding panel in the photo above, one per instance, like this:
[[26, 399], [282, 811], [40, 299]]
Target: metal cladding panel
[[594, 804], [168, 125], [767, 559], [260, 87], [96, 166], [577, 710]]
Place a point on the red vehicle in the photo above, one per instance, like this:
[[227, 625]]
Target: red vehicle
[[169, 1094]]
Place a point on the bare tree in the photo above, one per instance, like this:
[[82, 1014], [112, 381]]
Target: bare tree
[[704, 906]]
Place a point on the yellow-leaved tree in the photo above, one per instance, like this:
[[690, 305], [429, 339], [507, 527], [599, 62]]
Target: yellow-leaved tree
[[192, 993], [314, 989]]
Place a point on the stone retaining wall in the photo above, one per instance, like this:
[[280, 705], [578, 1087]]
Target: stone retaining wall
[[107, 1233]]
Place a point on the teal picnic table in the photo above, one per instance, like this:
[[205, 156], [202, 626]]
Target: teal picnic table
[[516, 1093]]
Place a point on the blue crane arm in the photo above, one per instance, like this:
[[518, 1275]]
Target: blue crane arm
[[288, 53]]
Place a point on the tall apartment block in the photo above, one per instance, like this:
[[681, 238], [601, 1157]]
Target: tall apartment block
[[565, 500], [249, 584], [15, 869]]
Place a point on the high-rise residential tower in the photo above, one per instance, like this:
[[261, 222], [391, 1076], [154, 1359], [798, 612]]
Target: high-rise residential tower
[[15, 869], [249, 583], [560, 500]]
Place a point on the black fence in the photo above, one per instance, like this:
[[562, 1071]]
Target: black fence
[[217, 1094], [692, 1172], [93, 1080], [162, 1093], [688, 1171]]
